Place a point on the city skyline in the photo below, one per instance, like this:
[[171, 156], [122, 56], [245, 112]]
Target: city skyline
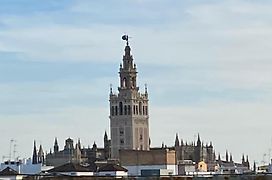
[[58, 59]]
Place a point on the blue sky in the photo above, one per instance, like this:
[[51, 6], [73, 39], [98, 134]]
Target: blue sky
[[207, 65]]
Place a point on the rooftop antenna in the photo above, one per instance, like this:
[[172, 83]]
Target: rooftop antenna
[[10, 147], [14, 150]]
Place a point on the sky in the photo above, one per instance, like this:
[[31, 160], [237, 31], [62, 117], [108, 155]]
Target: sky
[[207, 65]]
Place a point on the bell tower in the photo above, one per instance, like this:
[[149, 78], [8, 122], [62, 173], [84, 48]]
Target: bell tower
[[128, 109]]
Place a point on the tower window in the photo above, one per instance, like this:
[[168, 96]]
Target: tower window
[[122, 141], [120, 108], [124, 82], [140, 108], [112, 110], [143, 110], [116, 110], [125, 108], [141, 137], [121, 131], [129, 109], [137, 110], [134, 109]]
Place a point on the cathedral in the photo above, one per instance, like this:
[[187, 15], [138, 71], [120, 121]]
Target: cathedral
[[77, 153], [129, 130]]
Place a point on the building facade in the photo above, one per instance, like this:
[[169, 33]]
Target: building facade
[[194, 151], [129, 124], [75, 153]]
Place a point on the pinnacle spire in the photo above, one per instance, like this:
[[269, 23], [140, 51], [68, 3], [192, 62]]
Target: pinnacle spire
[[105, 136], [56, 146], [176, 140], [198, 140], [34, 156], [227, 156]]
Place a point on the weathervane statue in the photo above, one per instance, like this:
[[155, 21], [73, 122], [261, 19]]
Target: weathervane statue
[[125, 38]]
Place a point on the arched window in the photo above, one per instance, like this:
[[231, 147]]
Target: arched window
[[129, 110], [120, 108], [137, 110], [125, 108], [125, 82]]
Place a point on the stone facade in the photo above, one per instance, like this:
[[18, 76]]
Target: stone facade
[[195, 152], [78, 154]]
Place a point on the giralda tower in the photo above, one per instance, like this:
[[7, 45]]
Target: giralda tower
[[129, 124]]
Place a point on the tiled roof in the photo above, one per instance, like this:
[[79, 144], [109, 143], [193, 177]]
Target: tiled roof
[[8, 171], [112, 167], [72, 167]]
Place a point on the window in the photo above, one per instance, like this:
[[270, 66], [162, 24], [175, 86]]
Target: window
[[125, 108], [124, 82], [137, 110], [134, 109], [120, 108], [116, 110], [141, 137], [129, 109], [140, 108], [122, 141], [121, 131], [112, 110]]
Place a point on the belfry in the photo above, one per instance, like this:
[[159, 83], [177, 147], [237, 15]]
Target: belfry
[[129, 124]]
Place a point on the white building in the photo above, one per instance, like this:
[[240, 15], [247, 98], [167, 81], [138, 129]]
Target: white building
[[112, 170]]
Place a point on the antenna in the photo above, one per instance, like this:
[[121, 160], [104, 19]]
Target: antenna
[[10, 146], [14, 150]]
